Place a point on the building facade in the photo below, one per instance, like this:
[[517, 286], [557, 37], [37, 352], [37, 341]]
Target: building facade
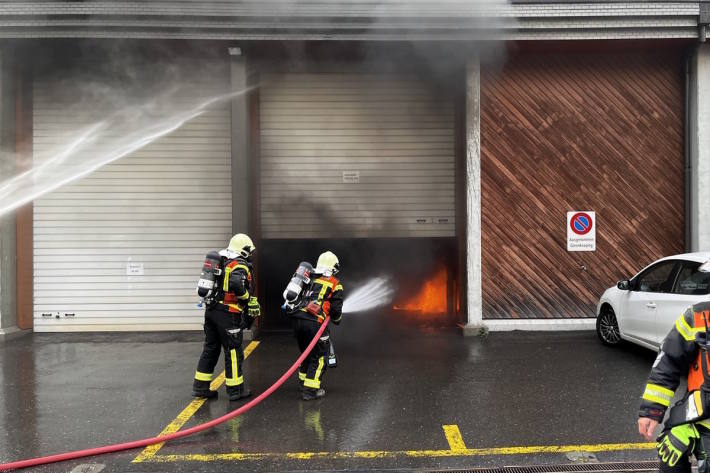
[[409, 137]]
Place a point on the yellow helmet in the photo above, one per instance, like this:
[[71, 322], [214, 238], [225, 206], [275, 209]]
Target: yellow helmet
[[242, 245], [327, 262]]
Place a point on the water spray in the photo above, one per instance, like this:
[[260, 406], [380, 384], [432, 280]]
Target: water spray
[[376, 292], [121, 134]]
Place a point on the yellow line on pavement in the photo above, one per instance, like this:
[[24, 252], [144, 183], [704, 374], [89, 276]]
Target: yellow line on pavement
[[467, 452], [453, 436], [188, 412]]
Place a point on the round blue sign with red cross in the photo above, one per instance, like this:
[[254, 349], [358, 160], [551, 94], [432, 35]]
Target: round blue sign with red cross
[[581, 223]]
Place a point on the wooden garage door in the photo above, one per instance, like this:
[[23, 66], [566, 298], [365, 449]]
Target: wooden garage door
[[569, 132]]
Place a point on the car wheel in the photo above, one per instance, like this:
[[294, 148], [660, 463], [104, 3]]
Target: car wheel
[[608, 327]]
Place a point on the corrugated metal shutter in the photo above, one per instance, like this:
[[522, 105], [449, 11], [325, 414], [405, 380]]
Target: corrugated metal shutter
[[162, 208], [355, 155]]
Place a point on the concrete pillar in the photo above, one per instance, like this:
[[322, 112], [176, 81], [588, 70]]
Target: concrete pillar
[[474, 297], [699, 153], [241, 155], [8, 167], [241, 169]]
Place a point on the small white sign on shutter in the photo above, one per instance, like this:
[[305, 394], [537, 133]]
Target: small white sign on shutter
[[134, 269], [351, 177]]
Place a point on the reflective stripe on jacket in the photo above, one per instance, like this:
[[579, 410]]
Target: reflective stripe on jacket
[[679, 356], [328, 293], [236, 285]]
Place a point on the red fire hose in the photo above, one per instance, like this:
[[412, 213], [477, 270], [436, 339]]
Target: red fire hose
[[184, 433]]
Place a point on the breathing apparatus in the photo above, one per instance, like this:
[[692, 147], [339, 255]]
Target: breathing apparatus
[[210, 278], [298, 287]]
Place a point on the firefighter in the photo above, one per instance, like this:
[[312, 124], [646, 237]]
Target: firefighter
[[323, 298], [687, 430], [234, 309]]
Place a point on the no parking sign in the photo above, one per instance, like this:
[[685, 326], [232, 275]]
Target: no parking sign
[[581, 231]]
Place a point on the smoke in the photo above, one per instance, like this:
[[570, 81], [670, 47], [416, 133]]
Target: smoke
[[108, 100], [376, 292]]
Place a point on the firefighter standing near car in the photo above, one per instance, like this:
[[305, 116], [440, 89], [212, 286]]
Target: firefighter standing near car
[[687, 430], [317, 294], [231, 308]]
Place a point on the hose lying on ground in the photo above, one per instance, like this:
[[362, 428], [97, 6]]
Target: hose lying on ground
[[184, 433]]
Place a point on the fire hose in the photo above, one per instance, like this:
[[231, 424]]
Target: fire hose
[[177, 435]]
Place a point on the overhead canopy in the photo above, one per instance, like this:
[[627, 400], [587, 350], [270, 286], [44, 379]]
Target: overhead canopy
[[352, 19]]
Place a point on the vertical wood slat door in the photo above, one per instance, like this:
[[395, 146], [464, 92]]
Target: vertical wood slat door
[[158, 210], [355, 154], [563, 132]]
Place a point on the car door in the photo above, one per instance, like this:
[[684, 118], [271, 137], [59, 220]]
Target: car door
[[691, 286], [641, 306]]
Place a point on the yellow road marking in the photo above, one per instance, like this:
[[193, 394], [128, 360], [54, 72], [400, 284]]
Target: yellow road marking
[[188, 412], [453, 436], [457, 446], [467, 452]]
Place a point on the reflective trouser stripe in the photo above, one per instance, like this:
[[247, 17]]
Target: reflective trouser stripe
[[301, 376], [236, 378], [705, 423], [203, 376], [315, 382], [658, 394]]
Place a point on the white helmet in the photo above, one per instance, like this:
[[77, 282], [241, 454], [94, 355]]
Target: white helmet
[[328, 263], [241, 245]]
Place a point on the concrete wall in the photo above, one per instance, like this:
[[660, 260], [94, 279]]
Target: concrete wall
[[699, 128], [8, 243]]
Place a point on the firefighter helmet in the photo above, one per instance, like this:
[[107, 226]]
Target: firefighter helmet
[[328, 262], [242, 245]]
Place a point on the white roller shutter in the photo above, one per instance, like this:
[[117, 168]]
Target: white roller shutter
[[155, 212], [355, 155]]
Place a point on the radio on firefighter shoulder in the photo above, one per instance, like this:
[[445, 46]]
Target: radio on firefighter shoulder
[[298, 286], [210, 278]]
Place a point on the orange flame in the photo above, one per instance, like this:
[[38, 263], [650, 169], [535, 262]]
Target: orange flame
[[431, 298]]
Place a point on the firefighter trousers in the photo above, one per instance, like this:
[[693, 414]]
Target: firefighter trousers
[[677, 444], [313, 367], [222, 332]]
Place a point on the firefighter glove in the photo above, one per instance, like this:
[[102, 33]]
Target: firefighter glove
[[254, 309], [676, 443]]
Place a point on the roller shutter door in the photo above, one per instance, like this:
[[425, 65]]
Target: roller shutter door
[[154, 214], [348, 154]]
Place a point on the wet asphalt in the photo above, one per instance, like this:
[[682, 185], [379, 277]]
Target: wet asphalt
[[397, 384]]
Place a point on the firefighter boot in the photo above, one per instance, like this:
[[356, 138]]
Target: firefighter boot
[[202, 389], [310, 394], [238, 392]]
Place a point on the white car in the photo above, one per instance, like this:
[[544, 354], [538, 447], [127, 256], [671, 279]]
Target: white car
[[643, 309]]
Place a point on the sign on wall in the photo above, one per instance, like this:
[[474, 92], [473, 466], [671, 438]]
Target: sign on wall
[[134, 269], [351, 177], [581, 231]]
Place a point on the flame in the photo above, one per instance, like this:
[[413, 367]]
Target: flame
[[431, 298]]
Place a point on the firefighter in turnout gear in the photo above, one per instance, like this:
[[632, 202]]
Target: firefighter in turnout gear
[[323, 297], [232, 310], [687, 430]]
